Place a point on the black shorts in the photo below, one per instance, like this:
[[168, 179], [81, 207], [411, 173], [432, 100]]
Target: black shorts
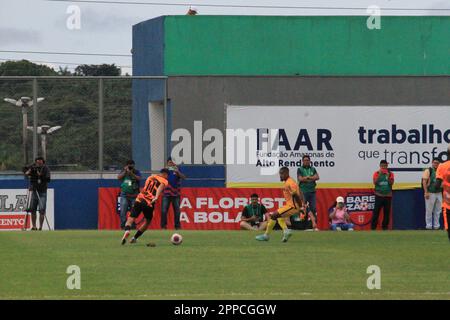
[[139, 207]]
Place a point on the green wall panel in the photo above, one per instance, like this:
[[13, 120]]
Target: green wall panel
[[273, 45]]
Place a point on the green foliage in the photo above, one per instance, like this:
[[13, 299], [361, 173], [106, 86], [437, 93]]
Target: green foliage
[[25, 68], [97, 70], [72, 104]]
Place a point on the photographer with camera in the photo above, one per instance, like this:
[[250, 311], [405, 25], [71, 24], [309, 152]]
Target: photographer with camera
[[129, 189], [172, 194], [39, 176]]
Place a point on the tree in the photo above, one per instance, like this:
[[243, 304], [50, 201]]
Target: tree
[[64, 72], [97, 70], [72, 104], [25, 68]]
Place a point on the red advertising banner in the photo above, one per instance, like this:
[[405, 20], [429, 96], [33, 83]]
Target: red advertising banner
[[220, 208], [13, 206], [13, 221]]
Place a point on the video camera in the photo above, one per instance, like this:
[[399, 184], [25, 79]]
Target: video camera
[[32, 167], [131, 168]]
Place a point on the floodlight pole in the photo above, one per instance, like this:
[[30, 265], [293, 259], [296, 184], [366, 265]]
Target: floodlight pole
[[43, 131], [24, 132], [24, 103], [35, 120], [44, 145], [100, 125]]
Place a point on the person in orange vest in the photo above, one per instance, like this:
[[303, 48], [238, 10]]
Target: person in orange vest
[[443, 180]]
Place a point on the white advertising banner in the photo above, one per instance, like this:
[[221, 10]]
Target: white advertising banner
[[13, 203], [345, 143]]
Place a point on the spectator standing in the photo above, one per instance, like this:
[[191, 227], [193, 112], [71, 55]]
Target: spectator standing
[[307, 177], [39, 175], [129, 189], [172, 194], [383, 179], [433, 196]]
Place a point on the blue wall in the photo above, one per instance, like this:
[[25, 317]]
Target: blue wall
[[408, 207], [204, 176], [148, 54], [76, 200]]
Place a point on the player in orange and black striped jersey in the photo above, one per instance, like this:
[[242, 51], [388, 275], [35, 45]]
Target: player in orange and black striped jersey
[[145, 203]]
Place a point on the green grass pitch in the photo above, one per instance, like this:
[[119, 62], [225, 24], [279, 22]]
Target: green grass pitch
[[225, 265]]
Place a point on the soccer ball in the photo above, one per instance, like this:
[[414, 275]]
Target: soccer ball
[[364, 206], [176, 239]]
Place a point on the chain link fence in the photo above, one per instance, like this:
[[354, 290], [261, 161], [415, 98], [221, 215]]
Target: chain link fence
[[80, 124]]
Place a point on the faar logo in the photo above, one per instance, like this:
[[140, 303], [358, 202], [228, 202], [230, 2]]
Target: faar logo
[[360, 206]]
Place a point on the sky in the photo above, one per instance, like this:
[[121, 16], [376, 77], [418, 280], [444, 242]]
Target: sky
[[41, 25]]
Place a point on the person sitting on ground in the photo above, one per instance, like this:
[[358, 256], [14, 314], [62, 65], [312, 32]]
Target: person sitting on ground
[[340, 219], [302, 221], [254, 215]]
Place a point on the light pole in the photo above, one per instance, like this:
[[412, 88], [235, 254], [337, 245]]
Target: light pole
[[43, 131], [25, 103]]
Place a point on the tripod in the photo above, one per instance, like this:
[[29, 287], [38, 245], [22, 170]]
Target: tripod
[[31, 191]]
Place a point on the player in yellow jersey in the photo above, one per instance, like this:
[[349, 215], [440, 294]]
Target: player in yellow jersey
[[294, 205]]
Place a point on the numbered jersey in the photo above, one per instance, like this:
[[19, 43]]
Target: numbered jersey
[[152, 184]]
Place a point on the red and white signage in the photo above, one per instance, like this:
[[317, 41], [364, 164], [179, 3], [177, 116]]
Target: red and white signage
[[220, 208], [13, 203]]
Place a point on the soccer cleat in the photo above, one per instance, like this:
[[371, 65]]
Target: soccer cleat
[[125, 237], [338, 229], [350, 229], [286, 235], [133, 240], [262, 237]]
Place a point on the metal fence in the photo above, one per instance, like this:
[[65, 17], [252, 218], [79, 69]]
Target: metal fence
[[80, 124]]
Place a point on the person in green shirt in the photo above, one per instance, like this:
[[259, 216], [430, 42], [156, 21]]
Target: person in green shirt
[[307, 177], [254, 215], [383, 179], [433, 196], [129, 189]]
